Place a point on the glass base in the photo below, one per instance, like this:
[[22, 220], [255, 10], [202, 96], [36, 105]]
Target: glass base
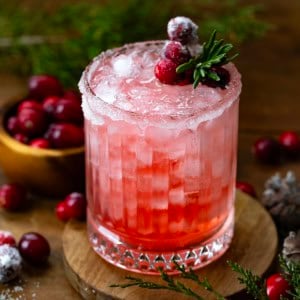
[[150, 262]]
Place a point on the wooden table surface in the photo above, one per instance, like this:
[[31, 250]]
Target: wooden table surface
[[270, 103]]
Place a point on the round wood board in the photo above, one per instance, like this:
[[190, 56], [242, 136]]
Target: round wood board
[[254, 247]]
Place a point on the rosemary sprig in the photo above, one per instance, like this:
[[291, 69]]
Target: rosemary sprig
[[215, 52], [255, 286]]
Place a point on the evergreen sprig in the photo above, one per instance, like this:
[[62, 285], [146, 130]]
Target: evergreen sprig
[[215, 52]]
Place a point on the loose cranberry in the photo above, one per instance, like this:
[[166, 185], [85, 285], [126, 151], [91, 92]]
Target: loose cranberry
[[290, 142], [6, 238], [176, 52], [61, 211], [41, 86], [65, 135], [49, 104], [12, 196], [75, 206], [68, 111], [34, 248], [165, 71], [12, 125], [22, 138], [277, 287], [223, 74], [72, 95], [32, 104], [267, 150], [183, 30], [40, 143], [32, 122], [246, 188]]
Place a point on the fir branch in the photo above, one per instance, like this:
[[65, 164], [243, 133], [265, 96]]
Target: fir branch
[[255, 286]]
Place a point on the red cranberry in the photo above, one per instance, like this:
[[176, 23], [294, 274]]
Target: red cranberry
[[223, 74], [49, 104], [176, 52], [34, 248], [183, 30], [75, 206], [32, 104], [72, 95], [290, 142], [246, 188], [267, 150], [22, 138], [165, 71], [32, 122], [277, 287], [61, 211], [6, 238], [68, 111], [12, 196], [65, 135], [40, 143], [12, 125], [41, 86]]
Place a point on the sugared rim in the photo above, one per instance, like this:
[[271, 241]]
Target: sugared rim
[[84, 82]]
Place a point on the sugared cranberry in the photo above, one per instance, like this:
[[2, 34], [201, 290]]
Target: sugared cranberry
[[12, 125], [176, 52], [267, 150], [22, 138], [61, 211], [223, 74], [183, 30], [32, 122], [65, 135], [6, 238], [72, 95], [32, 104], [41, 86], [277, 287], [49, 104], [12, 196], [68, 111], [246, 188], [76, 205], [34, 248], [165, 71], [40, 143], [290, 142]]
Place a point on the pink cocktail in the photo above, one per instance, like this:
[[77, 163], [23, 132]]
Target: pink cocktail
[[160, 163]]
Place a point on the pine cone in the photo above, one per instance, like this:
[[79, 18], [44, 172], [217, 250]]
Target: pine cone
[[291, 247], [282, 198]]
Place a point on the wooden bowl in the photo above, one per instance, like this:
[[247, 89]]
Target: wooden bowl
[[47, 172]]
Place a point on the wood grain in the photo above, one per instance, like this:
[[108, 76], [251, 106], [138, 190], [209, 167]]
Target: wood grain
[[254, 246]]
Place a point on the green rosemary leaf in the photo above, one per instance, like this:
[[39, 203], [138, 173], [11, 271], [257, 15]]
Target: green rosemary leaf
[[186, 66], [214, 76]]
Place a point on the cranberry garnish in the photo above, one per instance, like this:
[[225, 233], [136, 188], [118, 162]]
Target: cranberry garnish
[[290, 142], [12, 125], [61, 211], [76, 205], [32, 104], [224, 78], [183, 30], [22, 138], [68, 111], [6, 238], [40, 143], [72, 95], [32, 122], [12, 196], [246, 188], [49, 104], [267, 150], [165, 71], [41, 86], [34, 248], [277, 287], [176, 52], [65, 135]]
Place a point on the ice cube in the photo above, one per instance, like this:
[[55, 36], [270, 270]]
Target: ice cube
[[123, 65]]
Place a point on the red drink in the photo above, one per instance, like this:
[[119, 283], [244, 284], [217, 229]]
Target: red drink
[[160, 163]]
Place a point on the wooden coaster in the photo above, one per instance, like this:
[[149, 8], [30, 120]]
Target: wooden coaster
[[254, 247]]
